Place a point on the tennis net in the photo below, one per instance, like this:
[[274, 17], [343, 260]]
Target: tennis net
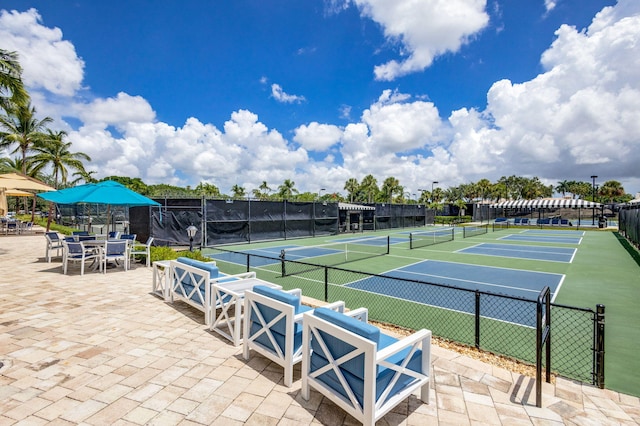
[[297, 260], [470, 231], [429, 238]]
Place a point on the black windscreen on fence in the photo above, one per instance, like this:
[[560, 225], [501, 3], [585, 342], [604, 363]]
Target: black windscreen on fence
[[238, 221], [629, 223]]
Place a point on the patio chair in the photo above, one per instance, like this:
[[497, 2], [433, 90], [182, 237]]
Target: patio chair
[[54, 242], [113, 235], [78, 253], [273, 326], [363, 371], [115, 251], [12, 226], [129, 237], [139, 248]]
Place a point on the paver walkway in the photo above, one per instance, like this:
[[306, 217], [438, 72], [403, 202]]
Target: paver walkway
[[99, 349]]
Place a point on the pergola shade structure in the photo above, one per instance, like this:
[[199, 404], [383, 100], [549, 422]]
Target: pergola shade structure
[[547, 203]]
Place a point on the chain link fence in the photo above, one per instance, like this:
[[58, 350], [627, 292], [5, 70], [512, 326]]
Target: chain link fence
[[492, 322]]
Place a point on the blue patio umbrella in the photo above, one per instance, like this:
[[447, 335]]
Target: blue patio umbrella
[[106, 192]]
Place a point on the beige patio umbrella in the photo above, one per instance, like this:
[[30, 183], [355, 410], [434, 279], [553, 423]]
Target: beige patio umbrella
[[4, 193], [17, 181]]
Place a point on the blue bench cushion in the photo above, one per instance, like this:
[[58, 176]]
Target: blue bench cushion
[[207, 266], [278, 330], [187, 283], [353, 370]]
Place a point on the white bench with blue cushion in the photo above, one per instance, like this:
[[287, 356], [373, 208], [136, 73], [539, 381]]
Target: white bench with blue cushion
[[191, 282], [365, 372], [273, 325]]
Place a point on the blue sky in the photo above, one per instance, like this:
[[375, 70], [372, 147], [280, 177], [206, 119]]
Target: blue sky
[[318, 91]]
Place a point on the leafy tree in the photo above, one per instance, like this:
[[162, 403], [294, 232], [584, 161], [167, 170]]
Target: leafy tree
[[23, 129], [12, 91], [611, 191]]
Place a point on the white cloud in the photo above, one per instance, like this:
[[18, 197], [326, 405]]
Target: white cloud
[[280, 95], [424, 29], [579, 117], [48, 62], [398, 126], [119, 111], [549, 5], [317, 137]]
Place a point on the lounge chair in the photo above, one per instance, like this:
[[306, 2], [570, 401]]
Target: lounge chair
[[273, 326], [360, 369]]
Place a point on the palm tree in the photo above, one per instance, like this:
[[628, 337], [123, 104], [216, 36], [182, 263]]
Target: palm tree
[[54, 152], [238, 191], [484, 188], [207, 190], [351, 186], [287, 189], [12, 91], [562, 187], [369, 186], [390, 187], [83, 175], [263, 190], [22, 128]]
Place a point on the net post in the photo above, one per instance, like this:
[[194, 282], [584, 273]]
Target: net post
[[388, 244], [282, 262], [599, 346]]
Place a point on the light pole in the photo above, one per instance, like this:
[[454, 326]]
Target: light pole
[[191, 232], [320, 192], [593, 198], [435, 182]]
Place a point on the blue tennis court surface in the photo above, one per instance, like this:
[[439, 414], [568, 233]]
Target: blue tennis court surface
[[553, 232], [552, 238], [551, 254], [374, 241], [512, 282], [241, 258]]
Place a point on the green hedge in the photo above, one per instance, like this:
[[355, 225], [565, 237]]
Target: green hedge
[[448, 220]]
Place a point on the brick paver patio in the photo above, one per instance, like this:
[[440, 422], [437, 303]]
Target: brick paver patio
[[99, 349]]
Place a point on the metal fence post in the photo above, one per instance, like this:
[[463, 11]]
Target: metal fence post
[[326, 284], [599, 349], [543, 335], [477, 319]]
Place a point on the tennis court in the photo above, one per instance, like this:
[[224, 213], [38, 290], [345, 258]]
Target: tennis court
[[546, 253], [512, 282]]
